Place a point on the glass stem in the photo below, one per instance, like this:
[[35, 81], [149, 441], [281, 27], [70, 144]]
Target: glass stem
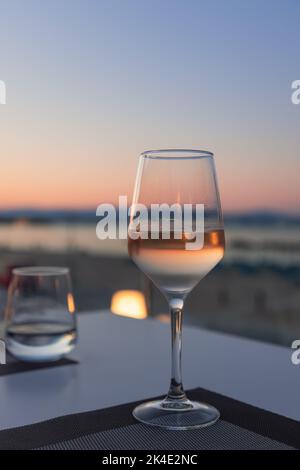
[[176, 391]]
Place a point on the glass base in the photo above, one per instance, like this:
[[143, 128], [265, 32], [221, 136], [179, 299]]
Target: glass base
[[179, 415]]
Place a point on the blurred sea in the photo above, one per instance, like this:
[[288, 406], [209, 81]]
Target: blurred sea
[[271, 244]]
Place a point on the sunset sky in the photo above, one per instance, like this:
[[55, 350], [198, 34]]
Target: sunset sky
[[91, 84]]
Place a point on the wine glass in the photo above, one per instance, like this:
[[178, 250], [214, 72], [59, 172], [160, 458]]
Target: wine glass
[[176, 256]]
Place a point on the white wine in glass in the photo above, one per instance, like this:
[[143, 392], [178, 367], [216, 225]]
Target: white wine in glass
[[172, 267], [180, 177]]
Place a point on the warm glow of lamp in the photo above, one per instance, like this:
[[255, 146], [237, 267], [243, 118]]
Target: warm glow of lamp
[[129, 303]]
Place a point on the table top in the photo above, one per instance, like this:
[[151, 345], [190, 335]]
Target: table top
[[123, 360]]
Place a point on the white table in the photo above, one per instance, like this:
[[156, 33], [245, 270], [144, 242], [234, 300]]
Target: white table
[[123, 360]]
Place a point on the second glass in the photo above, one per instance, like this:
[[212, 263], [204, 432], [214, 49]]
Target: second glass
[[40, 320]]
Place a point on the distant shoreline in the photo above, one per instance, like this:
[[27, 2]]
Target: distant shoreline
[[70, 216]]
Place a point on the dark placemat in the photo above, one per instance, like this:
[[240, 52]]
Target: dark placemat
[[241, 426], [13, 366]]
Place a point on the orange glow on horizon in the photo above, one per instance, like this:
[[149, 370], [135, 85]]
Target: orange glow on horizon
[[86, 186]]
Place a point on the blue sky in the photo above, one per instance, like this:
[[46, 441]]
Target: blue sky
[[91, 84]]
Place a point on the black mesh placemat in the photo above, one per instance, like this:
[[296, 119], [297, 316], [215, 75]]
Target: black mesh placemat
[[241, 426], [13, 366], [220, 436]]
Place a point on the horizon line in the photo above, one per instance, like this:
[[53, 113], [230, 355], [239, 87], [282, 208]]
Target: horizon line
[[90, 209]]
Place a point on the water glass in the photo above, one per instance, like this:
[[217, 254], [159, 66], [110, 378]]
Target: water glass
[[40, 320]]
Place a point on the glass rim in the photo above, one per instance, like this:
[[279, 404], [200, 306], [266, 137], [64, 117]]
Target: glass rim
[[40, 271], [181, 154]]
